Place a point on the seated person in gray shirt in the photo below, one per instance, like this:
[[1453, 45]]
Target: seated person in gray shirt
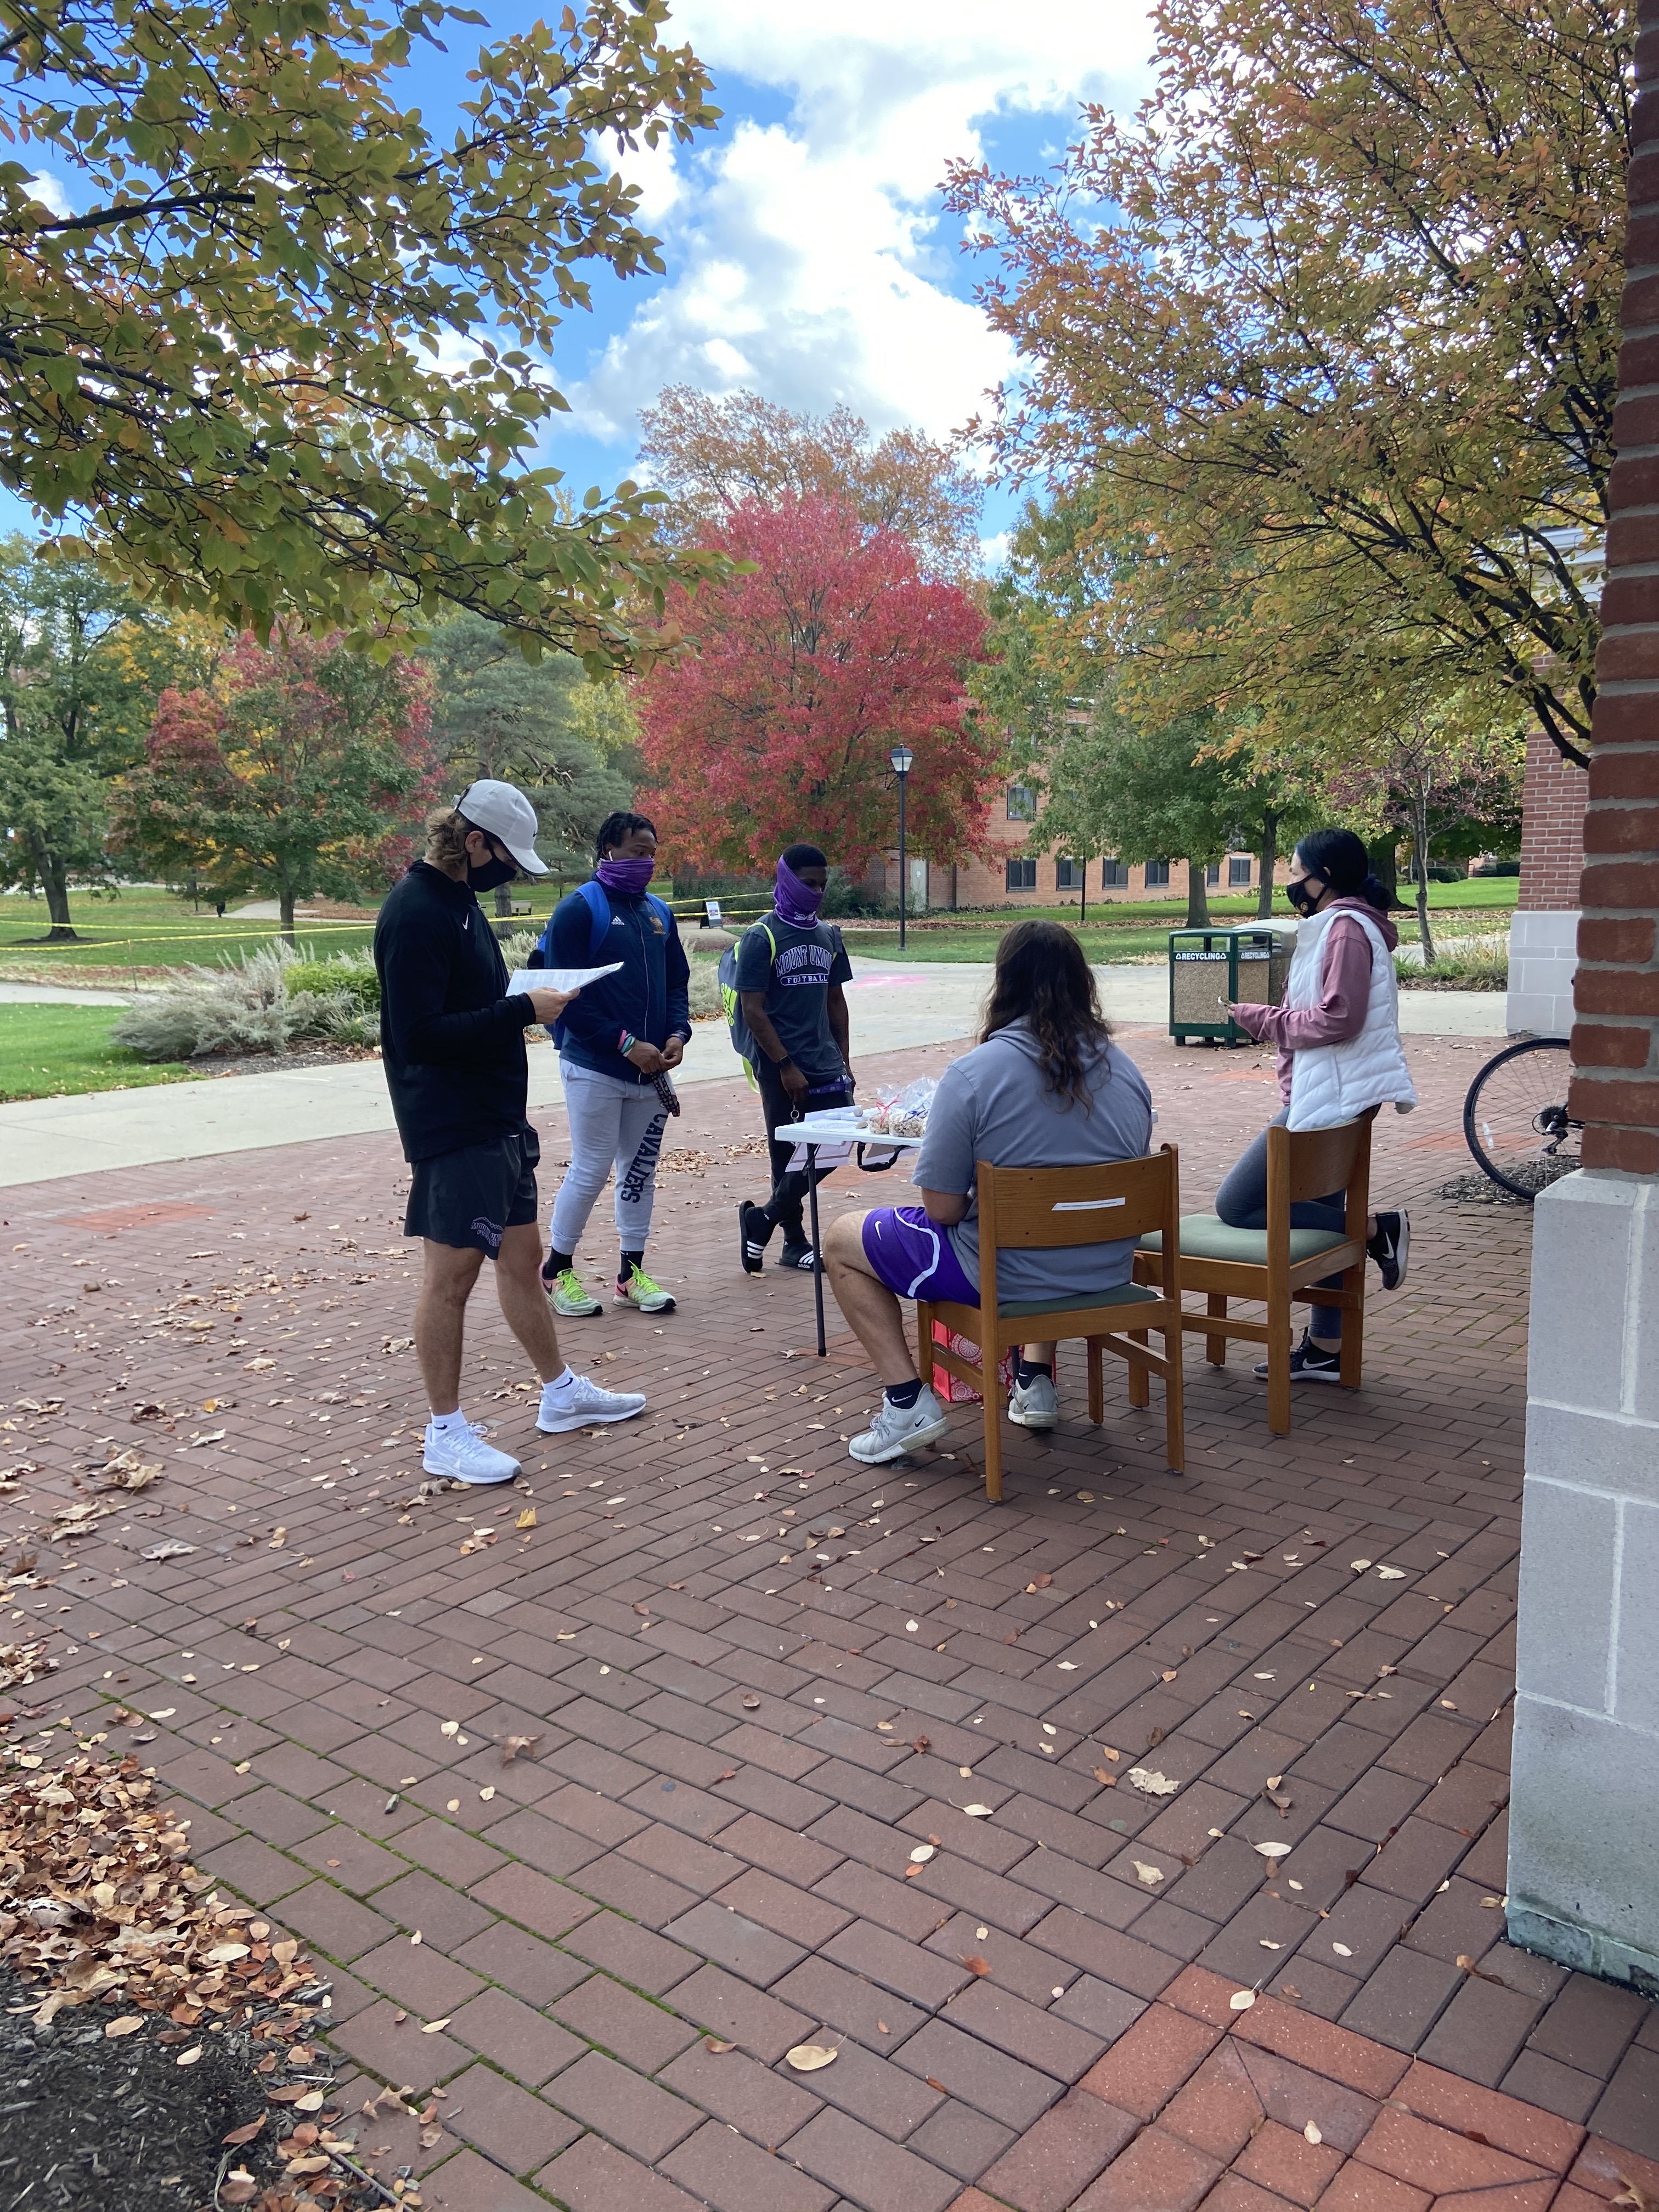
[[1045, 1087]]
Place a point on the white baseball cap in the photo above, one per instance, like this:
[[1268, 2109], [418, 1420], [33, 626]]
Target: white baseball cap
[[502, 809]]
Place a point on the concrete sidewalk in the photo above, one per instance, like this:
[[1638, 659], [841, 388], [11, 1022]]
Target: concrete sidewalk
[[894, 1007]]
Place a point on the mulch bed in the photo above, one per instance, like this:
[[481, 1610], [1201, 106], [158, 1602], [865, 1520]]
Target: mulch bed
[[155, 2039], [269, 1063]]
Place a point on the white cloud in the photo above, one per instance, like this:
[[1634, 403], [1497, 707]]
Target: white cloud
[[810, 259], [50, 192]]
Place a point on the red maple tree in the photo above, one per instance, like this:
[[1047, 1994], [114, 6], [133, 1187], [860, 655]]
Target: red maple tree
[[803, 677]]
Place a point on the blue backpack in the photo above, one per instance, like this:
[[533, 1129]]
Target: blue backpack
[[599, 908]]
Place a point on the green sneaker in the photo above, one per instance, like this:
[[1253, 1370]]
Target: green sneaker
[[641, 1291], [568, 1295]]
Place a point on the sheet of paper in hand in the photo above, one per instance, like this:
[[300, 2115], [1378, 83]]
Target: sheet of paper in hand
[[556, 979]]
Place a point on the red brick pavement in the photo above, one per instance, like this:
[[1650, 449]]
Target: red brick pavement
[[754, 1691]]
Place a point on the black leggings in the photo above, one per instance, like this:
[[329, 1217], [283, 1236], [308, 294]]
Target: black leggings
[[783, 1209], [1242, 1203]]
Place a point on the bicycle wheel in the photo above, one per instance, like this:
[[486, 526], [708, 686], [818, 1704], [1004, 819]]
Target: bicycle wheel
[[1514, 1117]]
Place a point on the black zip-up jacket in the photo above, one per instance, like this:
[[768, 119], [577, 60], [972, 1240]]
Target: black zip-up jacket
[[451, 1040], [649, 999]]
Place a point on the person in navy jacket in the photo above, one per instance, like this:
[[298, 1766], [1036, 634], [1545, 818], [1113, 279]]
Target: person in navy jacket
[[617, 1042]]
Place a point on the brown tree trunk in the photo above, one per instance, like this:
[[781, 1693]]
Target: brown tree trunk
[[54, 881], [1198, 896], [504, 902], [285, 906], [1384, 853], [1420, 869], [1267, 860]]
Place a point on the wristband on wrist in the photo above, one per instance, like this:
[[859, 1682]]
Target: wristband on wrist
[[626, 1043]]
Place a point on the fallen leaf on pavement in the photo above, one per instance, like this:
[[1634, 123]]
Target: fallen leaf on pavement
[[713, 2043], [1241, 2001], [975, 1964], [1151, 1875], [807, 2057], [1155, 1785]]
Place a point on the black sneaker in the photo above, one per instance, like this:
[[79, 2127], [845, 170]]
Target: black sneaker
[[1390, 1246], [798, 1256], [1309, 1364], [752, 1246]]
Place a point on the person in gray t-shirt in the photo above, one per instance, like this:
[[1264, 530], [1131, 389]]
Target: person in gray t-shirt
[[1045, 1087]]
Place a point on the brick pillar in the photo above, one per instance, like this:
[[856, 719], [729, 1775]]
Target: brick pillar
[[1583, 1877], [1615, 1040], [1544, 928]]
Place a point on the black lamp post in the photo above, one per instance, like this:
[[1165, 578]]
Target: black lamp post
[[901, 757]]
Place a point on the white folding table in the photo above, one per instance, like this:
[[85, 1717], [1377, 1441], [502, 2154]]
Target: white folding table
[[834, 1126]]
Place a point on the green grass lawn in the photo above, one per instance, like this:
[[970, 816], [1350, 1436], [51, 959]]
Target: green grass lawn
[[57, 1052], [1139, 928], [138, 929]]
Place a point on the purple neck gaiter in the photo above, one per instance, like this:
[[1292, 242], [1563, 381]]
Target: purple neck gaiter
[[628, 876], [796, 903]]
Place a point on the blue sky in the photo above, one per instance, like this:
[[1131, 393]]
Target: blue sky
[[808, 256]]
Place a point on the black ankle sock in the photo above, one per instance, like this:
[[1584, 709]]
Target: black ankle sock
[[628, 1262], [904, 1394], [557, 1262], [1026, 1369]]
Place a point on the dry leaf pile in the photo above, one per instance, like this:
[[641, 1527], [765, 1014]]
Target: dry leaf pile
[[99, 1900], [22, 1663]]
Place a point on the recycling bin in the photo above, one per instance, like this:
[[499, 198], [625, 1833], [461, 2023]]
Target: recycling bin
[[1210, 968]]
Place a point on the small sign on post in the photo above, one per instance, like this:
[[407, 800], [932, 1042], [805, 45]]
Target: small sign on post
[[711, 913]]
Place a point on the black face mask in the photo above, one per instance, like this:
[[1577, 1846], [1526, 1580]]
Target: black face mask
[[491, 875], [1301, 898]]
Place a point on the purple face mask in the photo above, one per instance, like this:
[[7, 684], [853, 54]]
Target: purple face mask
[[796, 903], [626, 876]]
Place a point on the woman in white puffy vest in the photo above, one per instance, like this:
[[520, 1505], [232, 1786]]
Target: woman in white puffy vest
[[1340, 1054]]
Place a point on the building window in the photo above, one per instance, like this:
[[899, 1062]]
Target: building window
[[1157, 874], [1238, 870], [1070, 875], [1213, 872], [1022, 803], [1022, 875], [1114, 876]]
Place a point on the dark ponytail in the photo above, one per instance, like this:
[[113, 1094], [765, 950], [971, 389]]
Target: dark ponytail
[[1340, 858]]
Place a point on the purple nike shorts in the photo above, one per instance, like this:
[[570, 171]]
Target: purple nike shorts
[[914, 1257]]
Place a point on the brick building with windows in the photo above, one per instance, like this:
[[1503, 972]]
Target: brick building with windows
[[1010, 876]]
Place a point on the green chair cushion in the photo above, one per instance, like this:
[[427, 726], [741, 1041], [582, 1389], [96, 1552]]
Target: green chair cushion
[[1205, 1238], [1125, 1294]]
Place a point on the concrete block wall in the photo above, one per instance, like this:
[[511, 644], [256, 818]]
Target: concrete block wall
[[1543, 960], [1583, 1874], [1583, 1877]]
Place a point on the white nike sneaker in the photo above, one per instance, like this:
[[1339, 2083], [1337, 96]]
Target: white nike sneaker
[[464, 1456], [900, 1429], [1035, 1404], [583, 1405]]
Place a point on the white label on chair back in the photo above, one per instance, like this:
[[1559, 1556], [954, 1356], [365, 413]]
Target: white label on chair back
[[1084, 1205]]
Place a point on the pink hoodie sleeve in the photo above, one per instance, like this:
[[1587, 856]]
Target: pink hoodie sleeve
[[1345, 995]]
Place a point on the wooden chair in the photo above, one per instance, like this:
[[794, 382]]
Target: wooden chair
[[1026, 1209], [1277, 1265]]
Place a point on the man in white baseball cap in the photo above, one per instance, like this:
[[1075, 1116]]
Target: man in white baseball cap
[[452, 1043], [505, 815]]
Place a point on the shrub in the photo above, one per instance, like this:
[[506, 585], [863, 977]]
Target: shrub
[[1474, 967], [705, 989], [352, 973], [242, 1005]]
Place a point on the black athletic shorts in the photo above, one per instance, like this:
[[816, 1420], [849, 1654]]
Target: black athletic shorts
[[467, 1198]]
